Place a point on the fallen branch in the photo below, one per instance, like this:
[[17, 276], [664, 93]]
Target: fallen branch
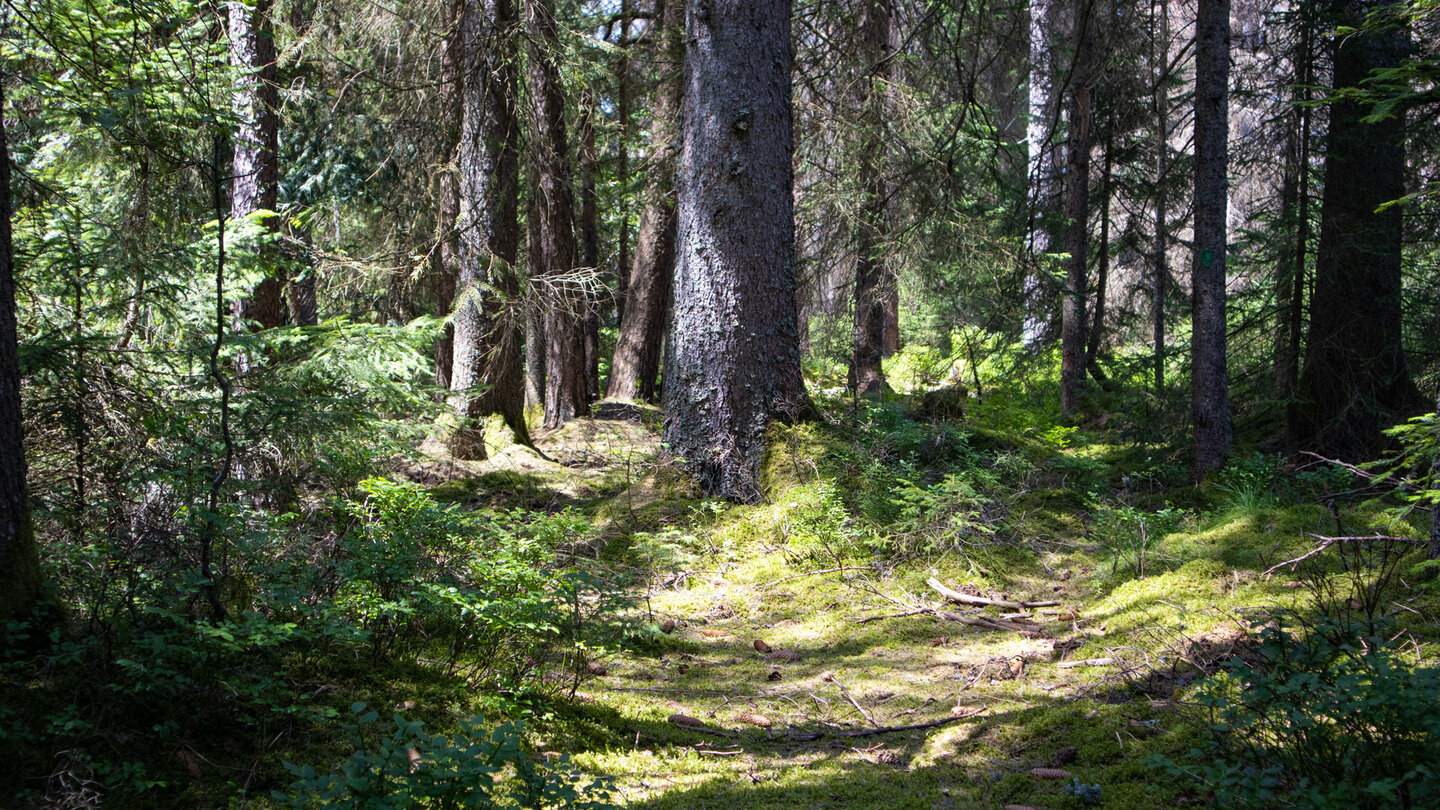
[[1327, 542], [830, 676], [870, 732], [988, 623], [955, 596], [1086, 662]]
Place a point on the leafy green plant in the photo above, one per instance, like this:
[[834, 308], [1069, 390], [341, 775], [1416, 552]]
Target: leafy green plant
[[410, 768], [1129, 534], [1249, 482], [1320, 723]]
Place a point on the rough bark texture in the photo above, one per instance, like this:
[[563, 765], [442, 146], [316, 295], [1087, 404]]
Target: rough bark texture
[[1355, 381], [1209, 385], [19, 561], [636, 364], [734, 360], [564, 301], [486, 376], [256, 164], [873, 278], [1077, 215]]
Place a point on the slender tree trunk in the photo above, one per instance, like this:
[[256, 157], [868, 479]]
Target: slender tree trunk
[[487, 371], [1043, 159], [1160, 271], [622, 156], [19, 558], [872, 275], [589, 240], [1295, 200], [734, 361], [636, 363], [1102, 273], [1356, 381], [1209, 384], [565, 303], [256, 164], [1077, 214]]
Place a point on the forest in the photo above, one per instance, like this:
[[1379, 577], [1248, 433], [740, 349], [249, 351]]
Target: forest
[[719, 404]]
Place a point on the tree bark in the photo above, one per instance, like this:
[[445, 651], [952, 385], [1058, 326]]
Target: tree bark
[[1295, 202], [1102, 272], [446, 257], [873, 277], [486, 377], [1077, 214], [636, 364], [19, 558], [1209, 384], [1044, 102], [734, 361], [622, 155], [256, 162], [564, 302], [1356, 382]]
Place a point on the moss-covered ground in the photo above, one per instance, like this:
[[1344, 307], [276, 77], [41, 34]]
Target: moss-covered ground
[[791, 654]]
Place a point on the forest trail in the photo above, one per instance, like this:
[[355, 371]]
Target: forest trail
[[780, 671]]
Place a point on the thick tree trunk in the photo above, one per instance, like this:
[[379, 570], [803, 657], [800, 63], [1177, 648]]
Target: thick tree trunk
[[636, 364], [734, 362], [19, 560], [1077, 214], [1209, 384], [487, 372], [1356, 382], [564, 302], [1102, 272], [256, 164], [1044, 169], [873, 279]]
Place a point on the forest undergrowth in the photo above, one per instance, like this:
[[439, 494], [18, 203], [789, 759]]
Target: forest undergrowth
[[980, 610]]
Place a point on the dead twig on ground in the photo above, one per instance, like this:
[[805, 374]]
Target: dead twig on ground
[[964, 598]]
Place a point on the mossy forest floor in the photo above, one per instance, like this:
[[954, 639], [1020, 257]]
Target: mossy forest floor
[[792, 655]]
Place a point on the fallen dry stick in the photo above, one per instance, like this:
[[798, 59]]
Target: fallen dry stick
[[870, 732], [956, 596], [1087, 662], [830, 676]]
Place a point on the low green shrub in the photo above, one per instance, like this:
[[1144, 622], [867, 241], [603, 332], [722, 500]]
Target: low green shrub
[[410, 768], [1320, 723]]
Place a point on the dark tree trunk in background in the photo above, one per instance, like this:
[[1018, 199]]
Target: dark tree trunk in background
[[1077, 213], [256, 165], [1295, 211], [1102, 272], [734, 360], [636, 363], [488, 328], [873, 278], [19, 559], [622, 154], [1355, 382], [564, 302], [590, 240], [446, 256], [1160, 268], [1209, 385]]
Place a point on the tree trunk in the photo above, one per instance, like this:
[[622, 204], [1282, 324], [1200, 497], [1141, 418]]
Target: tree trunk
[[1209, 385], [1077, 215], [1355, 382], [622, 156], [1102, 273], [19, 558], [256, 164], [565, 303], [734, 362], [636, 364], [873, 279], [1295, 199], [487, 372], [589, 240], [446, 256], [1043, 162], [1160, 270]]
